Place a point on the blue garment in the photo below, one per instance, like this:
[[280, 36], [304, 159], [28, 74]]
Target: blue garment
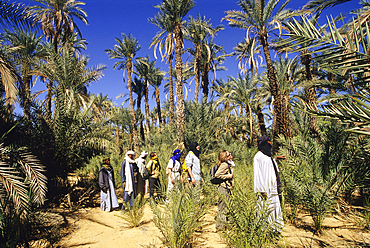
[[126, 196], [176, 156]]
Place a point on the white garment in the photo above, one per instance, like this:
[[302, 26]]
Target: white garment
[[265, 181], [193, 162], [109, 200], [140, 164], [175, 171], [129, 188]]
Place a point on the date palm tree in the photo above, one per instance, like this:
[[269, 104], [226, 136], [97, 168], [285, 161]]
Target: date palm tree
[[56, 20], [174, 11], [11, 14], [156, 82], [125, 51], [146, 70], [248, 52], [198, 30], [164, 41], [260, 18], [27, 53]]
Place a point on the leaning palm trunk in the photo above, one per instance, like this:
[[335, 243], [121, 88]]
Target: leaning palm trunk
[[205, 81], [132, 110], [179, 85], [281, 123]]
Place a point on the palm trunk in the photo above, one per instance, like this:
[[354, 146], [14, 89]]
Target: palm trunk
[[281, 123], [205, 81], [180, 121], [48, 100], [158, 107], [147, 111], [170, 82], [27, 97], [261, 120], [310, 94], [116, 137], [197, 72], [132, 110], [138, 109]]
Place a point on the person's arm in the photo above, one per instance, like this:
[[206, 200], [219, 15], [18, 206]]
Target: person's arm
[[170, 166], [123, 176], [191, 176], [101, 182]]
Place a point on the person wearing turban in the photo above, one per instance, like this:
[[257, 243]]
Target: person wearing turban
[[108, 198], [129, 171], [174, 170], [140, 161], [267, 181]]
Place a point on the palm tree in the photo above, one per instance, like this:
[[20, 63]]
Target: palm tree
[[26, 55], [248, 51], [56, 19], [211, 62], [125, 52], [164, 39], [146, 70], [260, 19], [156, 83], [175, 11], [11, 14], [139, 89], [197, 31]]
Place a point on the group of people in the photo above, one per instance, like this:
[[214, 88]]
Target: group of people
[[266, 178]]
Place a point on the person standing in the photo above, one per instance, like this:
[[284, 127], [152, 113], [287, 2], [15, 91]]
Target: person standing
[[193, 164], [140, 161], [225, 171], [174, 170], [129, 171], [267, 181], [154, 169], [108, 198]]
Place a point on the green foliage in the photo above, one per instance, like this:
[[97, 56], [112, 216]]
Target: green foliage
[[180, 216], [133, 215], [10, 223], [246, 226]]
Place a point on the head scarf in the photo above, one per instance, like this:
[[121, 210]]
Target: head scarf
[[176, 155], [193, 148], [263, 145], [107, 166], [143, 154]]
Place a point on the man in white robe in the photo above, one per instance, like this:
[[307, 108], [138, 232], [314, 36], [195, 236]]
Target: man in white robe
[[267, 182], [108, 198]]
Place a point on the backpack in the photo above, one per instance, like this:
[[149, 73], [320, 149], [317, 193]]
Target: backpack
[[212, 172], [146, 174], [184, 167]]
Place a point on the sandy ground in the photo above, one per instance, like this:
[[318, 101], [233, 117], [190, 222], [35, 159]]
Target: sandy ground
[[93, 228]]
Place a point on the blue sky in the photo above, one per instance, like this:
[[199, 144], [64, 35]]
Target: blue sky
[[109, 18]]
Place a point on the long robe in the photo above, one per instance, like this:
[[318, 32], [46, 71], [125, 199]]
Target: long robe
[[107, 200], [129, 196], [265, 182]]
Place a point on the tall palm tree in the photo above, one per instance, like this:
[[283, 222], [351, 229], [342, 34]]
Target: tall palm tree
[[139, 89], [248, 52], [175, 12], [164, 40], [146, 70], [197, 31], [260, 18], [125, 51], [156, 82], [26, 56], [56, 20], [11, 14], [211, 62]]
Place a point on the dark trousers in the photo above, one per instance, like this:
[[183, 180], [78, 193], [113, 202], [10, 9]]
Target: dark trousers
[[154, 184]]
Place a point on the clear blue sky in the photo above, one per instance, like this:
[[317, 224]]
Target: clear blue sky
[[109, 18]]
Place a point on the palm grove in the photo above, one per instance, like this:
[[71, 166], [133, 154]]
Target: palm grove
[[313, 103]]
